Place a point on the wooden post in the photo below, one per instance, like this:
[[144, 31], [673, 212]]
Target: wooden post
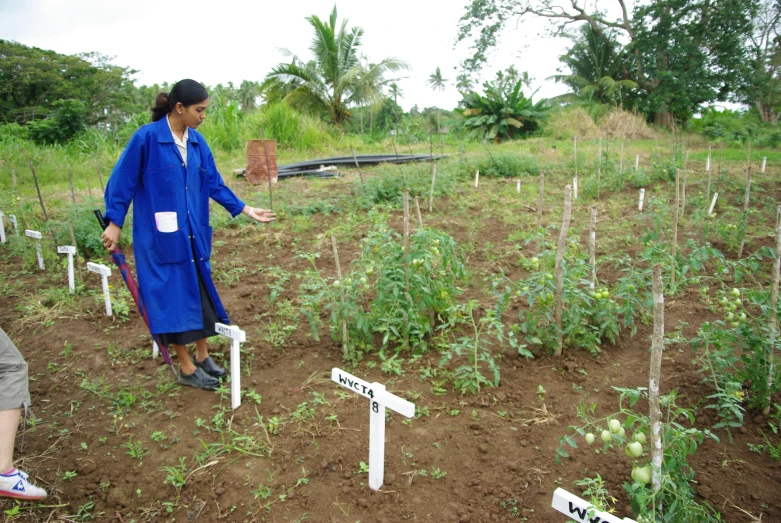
[[592, 248], [100, 178], [746, 196], [657, 347], [433, 180], [683, 193], [339, 275], [707, 169], [406, 267], [559, 273], [539, 211], [576, 156], [37, 187], [599, 167], [675, 224], [355, 159], [70, 180], [773, 319], [268, 171], [417, 209]]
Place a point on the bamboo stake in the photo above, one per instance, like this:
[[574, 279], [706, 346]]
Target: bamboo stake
[[355, 159], [657, 347], [539, 211], [773, 319], [268, 172], [576, 156], [100, 178], [433, 180], [559, 273], [592, 248], [683, 187], [37, 187], [70, 180], [406, 266], [707, 169], [745, 203], [417, 209], [339, 275], [621, 166], [675, 225], [599, 167], [13, 177]]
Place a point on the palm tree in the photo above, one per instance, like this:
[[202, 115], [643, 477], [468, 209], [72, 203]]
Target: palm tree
[[437, 83], [335, 78], [248, 94], [598, 69]]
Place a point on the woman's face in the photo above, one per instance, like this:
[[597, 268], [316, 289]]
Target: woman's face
[[194, 115]]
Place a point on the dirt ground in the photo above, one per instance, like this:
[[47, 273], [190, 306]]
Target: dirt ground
[[463, 458]]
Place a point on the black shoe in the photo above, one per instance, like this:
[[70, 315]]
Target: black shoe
[[198, 379], [211, 368]]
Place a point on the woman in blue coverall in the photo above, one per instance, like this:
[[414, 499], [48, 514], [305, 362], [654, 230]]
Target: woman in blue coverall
[[168, 172]]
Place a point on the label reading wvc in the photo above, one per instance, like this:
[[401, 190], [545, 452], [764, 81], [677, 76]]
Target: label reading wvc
[[581, 510]]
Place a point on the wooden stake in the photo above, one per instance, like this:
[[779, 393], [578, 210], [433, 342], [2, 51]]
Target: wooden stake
[[70, 180], [675, 225], [268, 172], [13, 178], [773, 319], [592, 248], [576, 156], [417, 209], [707, 169], [539, 211], [683, 191], [621, 166], [559, 273], [599, 167], [745, 203], [406, 266], [657, 347], [355, 159], [433, 180], [100, 178], [37, 187], [339, 275], [73, 242]]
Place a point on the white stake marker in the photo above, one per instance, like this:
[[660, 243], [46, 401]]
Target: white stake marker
[[580, 510], [707, 164], [16, 225], [642, 199], [575, 188], [379, 399], [2, 228], [70, 250], [518, 189], [104, 272], [713, 203], [637, 162], [764, 164], [237, 336], [37, 235], [477, 178]]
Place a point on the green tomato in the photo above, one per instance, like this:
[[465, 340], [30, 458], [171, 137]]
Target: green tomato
[[639, 437], [742, 316], [369, 271], [622, 432], [730, 316], [337, 284], [535, 261], [605, 294], [363, 280], [614, 425], [606, 436], [735, 292], [738, 302], [735, 324], [642, 475], [635, 449], [589, 438], [549, 296], [723, 301]]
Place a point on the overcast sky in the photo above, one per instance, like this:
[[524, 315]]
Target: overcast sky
[[231, 40]]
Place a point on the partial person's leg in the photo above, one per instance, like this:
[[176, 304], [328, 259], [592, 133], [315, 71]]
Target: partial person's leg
[[203, 360], [201, 350], [9, 422], [185, 363]]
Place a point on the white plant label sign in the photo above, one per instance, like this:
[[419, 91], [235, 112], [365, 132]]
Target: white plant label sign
[[237, 336], [16, 225], [379, 399], [642, 199], [580, 510], [36, 235], [713, 203], [104, 272], [764, 164], [70, 250], [477, 178], [575, 188], [2, 228]]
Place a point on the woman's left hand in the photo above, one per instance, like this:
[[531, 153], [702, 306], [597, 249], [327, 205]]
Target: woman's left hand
[[261, 215]]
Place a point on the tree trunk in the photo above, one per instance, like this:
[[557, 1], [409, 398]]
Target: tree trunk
[[665, 119], [766, 112]]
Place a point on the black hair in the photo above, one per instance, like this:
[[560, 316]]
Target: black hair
[[187, 92]]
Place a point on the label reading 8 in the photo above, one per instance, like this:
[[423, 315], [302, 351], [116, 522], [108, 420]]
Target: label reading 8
[[375, 407]]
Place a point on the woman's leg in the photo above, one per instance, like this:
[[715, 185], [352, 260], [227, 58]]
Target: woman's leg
[[201, 350], [9, 421], [185, 363]]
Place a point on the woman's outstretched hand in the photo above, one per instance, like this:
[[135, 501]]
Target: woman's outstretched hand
[[110, 236], [260, 215]]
